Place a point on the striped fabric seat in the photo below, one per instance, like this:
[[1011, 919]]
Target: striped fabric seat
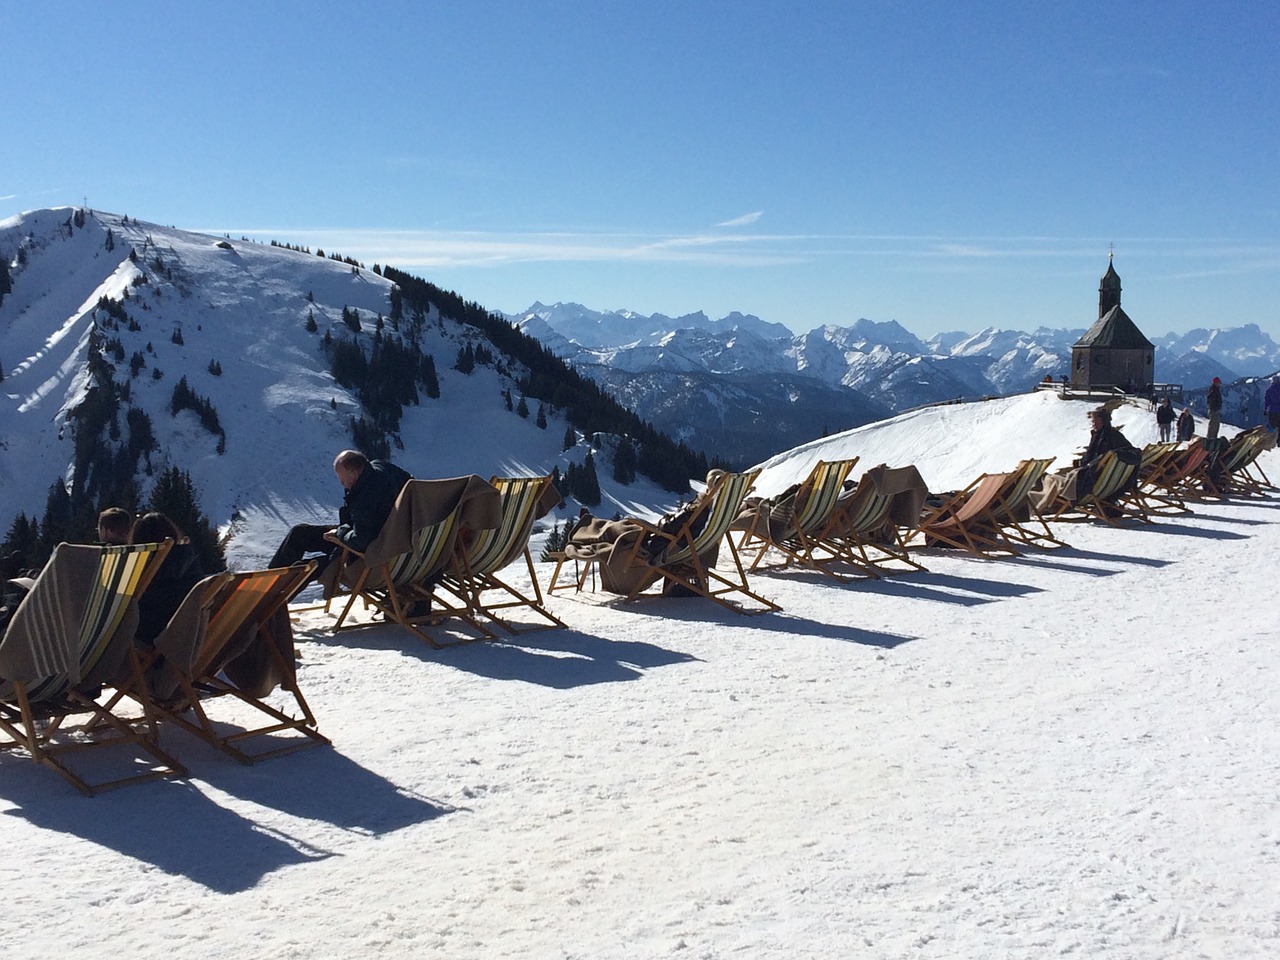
[[398, 574], [863, 530], [71, 635], [1015, 510], [226, 640], [801, 534], [687, 559], [725, 505], [472, 574]]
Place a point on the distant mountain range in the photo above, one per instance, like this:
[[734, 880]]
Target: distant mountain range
[[748, 388]]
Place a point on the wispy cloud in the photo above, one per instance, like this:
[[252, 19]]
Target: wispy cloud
[[750, 249], [745, 220]]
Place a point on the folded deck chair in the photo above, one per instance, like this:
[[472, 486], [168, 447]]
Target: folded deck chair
[[231, 638], [683, 555], [472, 573], [967, 519], [72, 634], [1016, 512], [397, 575], [795, 527], [868, 526], [1111, 499]]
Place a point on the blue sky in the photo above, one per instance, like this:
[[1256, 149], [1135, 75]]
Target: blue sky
[[947, 165]]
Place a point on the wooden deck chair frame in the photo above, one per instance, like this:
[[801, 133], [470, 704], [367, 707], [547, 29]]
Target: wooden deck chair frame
[[1209, 480], [1015, 498], [803, 543], [472, 576], [63, 683], [1177, 480], [966, 520], [1154, 490], [1111, 499], [851, 529], [683, 549], [393, 588], [679, 562], [237, 608], [1237, 462]]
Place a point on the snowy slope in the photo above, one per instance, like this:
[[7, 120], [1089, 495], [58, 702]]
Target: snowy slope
[[244, 305], [1067, 754]]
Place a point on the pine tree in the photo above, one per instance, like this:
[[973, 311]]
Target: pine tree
[[556, 540], [588, 483], [522, 408], [570, 438], [541, 419], [624, 462], [174, 495], [427, 376]]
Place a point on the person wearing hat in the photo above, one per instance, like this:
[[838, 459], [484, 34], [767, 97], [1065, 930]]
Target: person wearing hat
[[1213, 400], [1102, 438], [1075, 482], [1271, 404]]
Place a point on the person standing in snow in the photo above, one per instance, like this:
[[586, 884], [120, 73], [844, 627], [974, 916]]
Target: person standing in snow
[[1213, 400], [1186, 425], [1164, 419], [1271, 405]]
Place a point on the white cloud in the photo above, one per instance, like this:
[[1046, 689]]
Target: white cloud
[[742, 221]]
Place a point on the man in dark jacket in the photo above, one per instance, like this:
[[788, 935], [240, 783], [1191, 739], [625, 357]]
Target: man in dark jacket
[[1102, 438], [371, 489], [1213, 400], [1164, 419]]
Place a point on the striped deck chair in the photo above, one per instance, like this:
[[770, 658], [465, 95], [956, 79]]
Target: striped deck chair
[[1209, 480], [1153, 492], [800, 537], [682, 561], [1240, 462], [472, 574], [1015, 510], [1174, 481], [72, 634], [397, 575], [231, 639], [1110, 499], [864, 529], [967, 520]]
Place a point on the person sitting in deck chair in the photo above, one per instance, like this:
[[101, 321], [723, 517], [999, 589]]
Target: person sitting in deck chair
[[371, 489], [1076, 482], [114, 524]]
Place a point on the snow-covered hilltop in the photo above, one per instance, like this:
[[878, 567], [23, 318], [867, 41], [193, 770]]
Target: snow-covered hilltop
[[245, 326]]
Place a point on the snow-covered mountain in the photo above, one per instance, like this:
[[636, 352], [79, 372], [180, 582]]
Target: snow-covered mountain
[[104, 316], [668, 366]]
